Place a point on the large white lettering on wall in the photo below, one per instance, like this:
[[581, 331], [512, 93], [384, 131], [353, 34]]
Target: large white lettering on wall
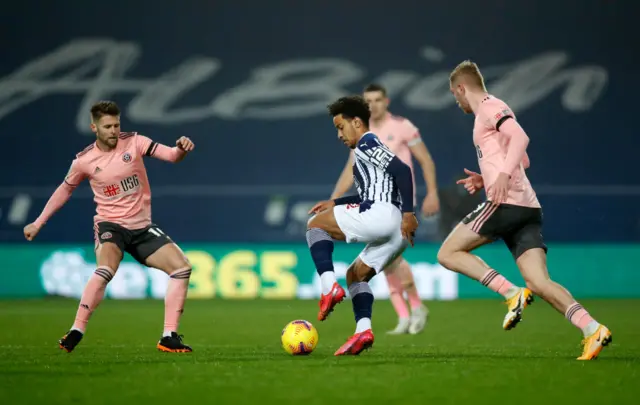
[[291, 89]]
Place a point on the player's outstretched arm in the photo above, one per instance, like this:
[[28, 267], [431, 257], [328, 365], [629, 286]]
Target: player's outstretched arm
[[473, 182], [183, 146], [328, 204], [57, 200], [345, 181]]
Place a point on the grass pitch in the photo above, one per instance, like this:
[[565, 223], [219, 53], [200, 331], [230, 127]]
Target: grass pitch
[[463, 355]]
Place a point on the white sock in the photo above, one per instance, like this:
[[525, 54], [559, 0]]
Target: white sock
[[167, 333], [78, 329], [327, 279], [363, 324], [511, 292], [591, 328]]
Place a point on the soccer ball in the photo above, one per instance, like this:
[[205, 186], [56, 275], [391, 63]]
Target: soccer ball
[[299, 337]]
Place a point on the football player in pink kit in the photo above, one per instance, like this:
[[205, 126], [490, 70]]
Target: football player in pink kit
[[511, 213], [403, 139], [114, 166]]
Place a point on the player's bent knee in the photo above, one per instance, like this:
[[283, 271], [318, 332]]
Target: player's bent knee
[[444, 257], [327, 222], [364, 273], [109, 254], [320, 220], [359, 272], [169, 258], [539, 286]]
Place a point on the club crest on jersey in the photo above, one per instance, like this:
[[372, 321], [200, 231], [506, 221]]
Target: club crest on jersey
[[106, 235], [126, 157]]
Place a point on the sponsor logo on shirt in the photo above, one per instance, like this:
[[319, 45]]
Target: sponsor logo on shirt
[[111, 190], [128, 185], [504, 113]]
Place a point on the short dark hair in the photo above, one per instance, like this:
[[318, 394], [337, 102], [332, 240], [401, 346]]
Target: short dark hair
[[351, 107], [376, 87], [102, 108]]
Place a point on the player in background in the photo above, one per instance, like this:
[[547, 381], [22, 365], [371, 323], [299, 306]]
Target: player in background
[[511, 213], [381, 215], [404, 140], [114, 166]]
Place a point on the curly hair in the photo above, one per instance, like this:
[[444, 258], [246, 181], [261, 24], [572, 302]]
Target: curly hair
[[351, 107]]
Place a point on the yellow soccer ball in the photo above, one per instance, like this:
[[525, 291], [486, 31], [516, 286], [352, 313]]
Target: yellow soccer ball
[[299, 337]]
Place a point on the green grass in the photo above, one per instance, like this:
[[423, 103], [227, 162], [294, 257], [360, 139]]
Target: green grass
[[463, 355]]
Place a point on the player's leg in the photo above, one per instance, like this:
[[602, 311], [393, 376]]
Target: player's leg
[[110, 242], [474, 231], [375, 257], [530, 252], [396, 296], [358, 276], [419, 311], [153, 248], [322, 230], [400, 279]]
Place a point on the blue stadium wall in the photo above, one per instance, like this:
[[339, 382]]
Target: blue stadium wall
[[249, 81]]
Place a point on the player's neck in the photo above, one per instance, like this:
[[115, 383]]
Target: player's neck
[[475, 99], [363, 134], [379, 121], [103, 147]]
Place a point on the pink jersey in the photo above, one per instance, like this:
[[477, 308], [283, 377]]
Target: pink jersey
[[118, 179], [492, 147], [398, 134]]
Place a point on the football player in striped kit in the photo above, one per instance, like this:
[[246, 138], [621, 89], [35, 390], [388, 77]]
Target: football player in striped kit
[[380, 215]]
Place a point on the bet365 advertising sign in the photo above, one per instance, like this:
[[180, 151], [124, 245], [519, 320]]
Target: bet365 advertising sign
[[286, 271]]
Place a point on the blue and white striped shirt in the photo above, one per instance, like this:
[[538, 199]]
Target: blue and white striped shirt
[[373, 181]]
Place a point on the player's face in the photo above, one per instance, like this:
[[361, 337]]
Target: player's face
[[107, 129], [349, 131], [459, 92], [378, 104]]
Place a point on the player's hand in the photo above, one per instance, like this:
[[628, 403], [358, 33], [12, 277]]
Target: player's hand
[[497, 193], [322, 206], [430, 205], [185, 144], [30, 231], [409, 226], [472, 183]]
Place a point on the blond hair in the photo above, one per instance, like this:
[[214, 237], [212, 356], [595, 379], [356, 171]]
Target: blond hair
[[470, 72]]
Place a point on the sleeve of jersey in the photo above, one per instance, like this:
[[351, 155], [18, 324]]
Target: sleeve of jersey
[[412, 134], [147, 147], [502, 119], [402, 176], [517, 150], [75, 175], [62, 194]]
